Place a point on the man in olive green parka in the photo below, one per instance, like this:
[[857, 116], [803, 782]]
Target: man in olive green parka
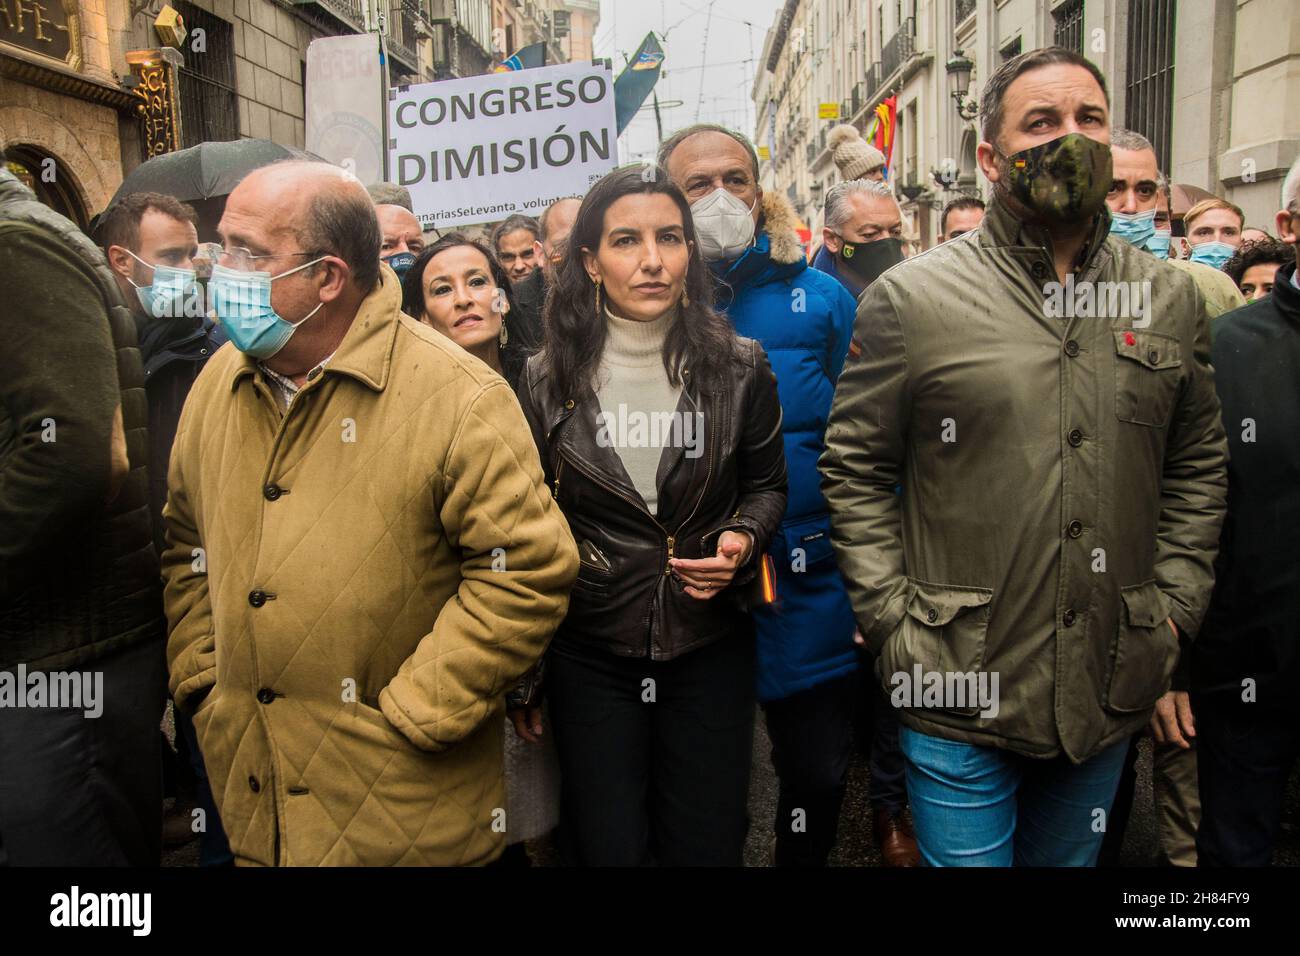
[[1043, 397]]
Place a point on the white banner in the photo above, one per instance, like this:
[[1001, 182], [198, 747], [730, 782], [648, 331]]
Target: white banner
[[482, 148], [345, 104]]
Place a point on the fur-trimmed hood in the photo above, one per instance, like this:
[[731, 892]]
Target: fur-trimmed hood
[[780, 224]]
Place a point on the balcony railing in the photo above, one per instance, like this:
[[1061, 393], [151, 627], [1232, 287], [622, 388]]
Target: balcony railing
[[900, 46], [961, 10], [402, 39], [855, 101], [348, 12], [871, 83], [897, 51]]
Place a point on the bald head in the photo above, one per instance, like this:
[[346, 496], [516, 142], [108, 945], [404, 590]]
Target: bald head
[[556, 224], [323, 208]]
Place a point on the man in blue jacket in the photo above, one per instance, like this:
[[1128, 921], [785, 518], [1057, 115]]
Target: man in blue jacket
[[804, 319]]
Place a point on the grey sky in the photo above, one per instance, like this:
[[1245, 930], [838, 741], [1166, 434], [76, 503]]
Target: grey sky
[[712, 82]]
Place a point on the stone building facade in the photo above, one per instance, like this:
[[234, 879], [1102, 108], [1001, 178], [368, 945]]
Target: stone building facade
[[1213, 83], [63, 113]]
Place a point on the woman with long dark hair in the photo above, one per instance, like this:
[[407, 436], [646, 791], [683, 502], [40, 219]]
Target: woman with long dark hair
[[457, 286], [660, 434]]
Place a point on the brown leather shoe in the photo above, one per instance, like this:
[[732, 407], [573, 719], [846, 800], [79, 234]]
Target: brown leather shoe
[[896, 839]]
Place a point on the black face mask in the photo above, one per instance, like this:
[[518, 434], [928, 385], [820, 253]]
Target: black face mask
[[861, 263]]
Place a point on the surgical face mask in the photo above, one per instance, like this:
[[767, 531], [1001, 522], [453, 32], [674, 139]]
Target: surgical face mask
[[724, 227], [1135, 228], [165, 297], [242, 303], [862, 263], [1158, 244], [1213, 253], [400, 262], [1064, 181]]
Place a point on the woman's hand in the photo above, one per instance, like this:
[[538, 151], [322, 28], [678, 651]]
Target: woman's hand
[[705, 577]]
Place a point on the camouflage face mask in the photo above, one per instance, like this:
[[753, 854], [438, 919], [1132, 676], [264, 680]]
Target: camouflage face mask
[[1063, 181]]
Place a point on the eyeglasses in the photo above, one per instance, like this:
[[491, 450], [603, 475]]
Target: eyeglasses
[[242, 260]]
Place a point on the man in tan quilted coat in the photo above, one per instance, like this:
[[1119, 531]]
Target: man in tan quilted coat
[[362, 556]]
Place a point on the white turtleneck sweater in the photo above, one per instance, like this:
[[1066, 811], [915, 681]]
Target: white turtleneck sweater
[[636, 398]]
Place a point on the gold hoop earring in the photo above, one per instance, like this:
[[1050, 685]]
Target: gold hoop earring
[[686, 299], [597, 281]]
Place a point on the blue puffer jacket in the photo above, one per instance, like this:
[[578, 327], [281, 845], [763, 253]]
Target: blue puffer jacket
[[803, 318]]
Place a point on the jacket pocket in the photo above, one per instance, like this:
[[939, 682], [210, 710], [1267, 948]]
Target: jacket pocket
[[1145, 651], [944, 632], [1147, 372], [807, 543]]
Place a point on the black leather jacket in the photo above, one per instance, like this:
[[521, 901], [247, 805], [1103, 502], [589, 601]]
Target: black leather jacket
[[625, 599]]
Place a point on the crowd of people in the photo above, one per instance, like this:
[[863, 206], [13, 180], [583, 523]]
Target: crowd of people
[[444, 544]]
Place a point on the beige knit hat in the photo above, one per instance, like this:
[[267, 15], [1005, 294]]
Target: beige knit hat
[[852, 154]]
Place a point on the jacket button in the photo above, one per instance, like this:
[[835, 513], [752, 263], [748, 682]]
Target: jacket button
[[272, 491], [1075, 528], [1068, 618], [257, 598], [1072, 348], [253, 784], [1039, 270], [1076, 437], [932, 615], [265, 695], [1153, 357], [569, 403]]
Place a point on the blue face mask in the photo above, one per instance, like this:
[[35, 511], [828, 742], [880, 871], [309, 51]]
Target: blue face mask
[[1213, 254], [1135, 228], [171, 288], [242, 304], [1158, 244], [401, 262]]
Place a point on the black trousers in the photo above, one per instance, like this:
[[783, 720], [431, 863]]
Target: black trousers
[[812, 743], [1245, 754], [654, 755], [87, 791]]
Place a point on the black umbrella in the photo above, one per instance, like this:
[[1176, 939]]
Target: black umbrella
[[206, 170], [209, 171]]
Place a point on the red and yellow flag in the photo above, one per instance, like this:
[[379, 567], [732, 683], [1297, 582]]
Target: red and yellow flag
[[881, 131]]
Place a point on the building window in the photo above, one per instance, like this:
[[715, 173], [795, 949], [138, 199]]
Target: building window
[[1150, 91], [209, 105], [1068, 31], [1011, 50]]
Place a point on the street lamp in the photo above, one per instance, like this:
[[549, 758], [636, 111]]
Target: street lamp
[[959, 70]]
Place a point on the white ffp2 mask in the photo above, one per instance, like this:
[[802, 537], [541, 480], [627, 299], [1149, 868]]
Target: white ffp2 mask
[[724, 227]]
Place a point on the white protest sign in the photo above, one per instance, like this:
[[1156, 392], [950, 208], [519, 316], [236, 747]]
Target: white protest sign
[[345, 104], [481, 148]]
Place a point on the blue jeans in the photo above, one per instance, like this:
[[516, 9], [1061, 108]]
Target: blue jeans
[[984, 806]]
